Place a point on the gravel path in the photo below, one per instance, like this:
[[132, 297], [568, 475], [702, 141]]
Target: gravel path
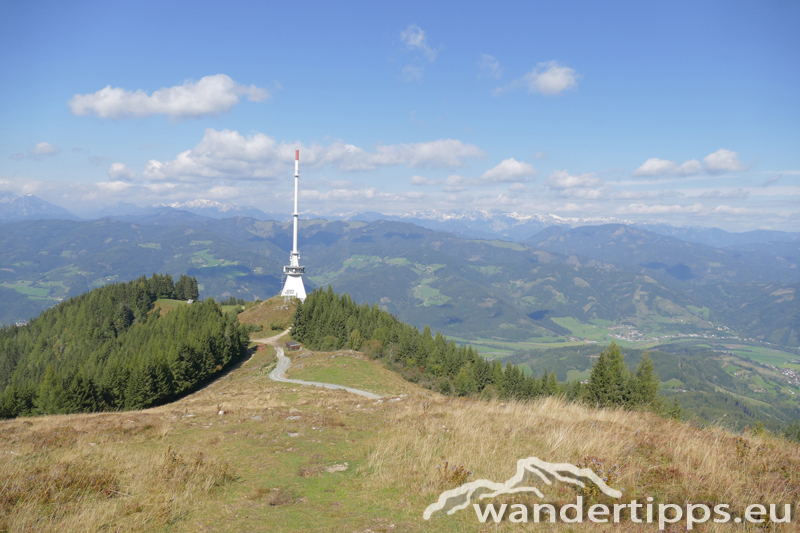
[[279, 373]]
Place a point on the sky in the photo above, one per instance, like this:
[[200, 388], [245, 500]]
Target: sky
[[680, 112]]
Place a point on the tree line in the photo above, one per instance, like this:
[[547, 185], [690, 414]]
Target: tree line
[[109, 349], [327, 321]]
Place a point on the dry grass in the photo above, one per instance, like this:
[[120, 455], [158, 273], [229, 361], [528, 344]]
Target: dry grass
[[670, 461], [273, 312], [276, 458]]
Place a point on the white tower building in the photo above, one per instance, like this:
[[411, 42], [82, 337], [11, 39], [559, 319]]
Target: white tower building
[[293, 287]]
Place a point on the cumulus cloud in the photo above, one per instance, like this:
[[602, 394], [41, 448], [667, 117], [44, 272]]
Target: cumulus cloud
[[40, 150], [510, 170], [689, 168], [655, 167], [723, 161], [228, 154], [489, 66], [118, 171], [517, 187], [561, 179], [43, 149], [211, 95], [415, 39], [586, 186], [548, 79]]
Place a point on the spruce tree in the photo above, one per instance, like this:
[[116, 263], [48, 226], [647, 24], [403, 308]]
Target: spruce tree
[[644, 384]]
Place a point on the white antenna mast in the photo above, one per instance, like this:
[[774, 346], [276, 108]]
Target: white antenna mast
[[294, 287]]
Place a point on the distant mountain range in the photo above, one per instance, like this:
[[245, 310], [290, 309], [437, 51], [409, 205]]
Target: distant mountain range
[[489, 288], [474, 224], [29, 207]]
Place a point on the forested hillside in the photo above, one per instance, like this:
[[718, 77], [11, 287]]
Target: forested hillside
[[106, 350], [326, 321]]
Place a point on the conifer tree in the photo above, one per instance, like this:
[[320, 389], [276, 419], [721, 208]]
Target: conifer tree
[[644, 384]]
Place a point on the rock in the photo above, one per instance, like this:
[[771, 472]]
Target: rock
[[257, 417], [337, 468], [291, 434], [293, 417]]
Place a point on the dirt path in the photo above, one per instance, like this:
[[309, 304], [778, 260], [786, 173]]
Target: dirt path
[[279, 373]]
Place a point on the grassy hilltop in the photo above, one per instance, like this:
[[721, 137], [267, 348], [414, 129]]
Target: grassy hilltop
[[290, 458]]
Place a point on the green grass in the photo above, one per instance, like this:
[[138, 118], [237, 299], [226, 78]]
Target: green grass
[[342, 370], [673, 384], [488, 270], [204, 258], [361, 261], [167, 305], [429, 295], [759, 354], [154, 245], [699, 311], [497, 243], [47, 290]]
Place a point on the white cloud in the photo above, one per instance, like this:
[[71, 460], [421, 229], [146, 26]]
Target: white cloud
[[489, 66], [419, 180], [227, 154], [586, 186], [510, 170], [118, 171], [723, 161], [561, 179], [212, 95], [539, 155], [550, 78], [42, 149], [770, 181], [728, 210], [655, 167], [689, 168], [517, 187], [415, 39]]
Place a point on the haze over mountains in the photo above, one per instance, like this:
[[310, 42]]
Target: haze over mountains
[[467, 223]]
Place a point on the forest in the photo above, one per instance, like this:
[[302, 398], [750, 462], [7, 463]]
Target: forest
[[110, 349], [326, 321]]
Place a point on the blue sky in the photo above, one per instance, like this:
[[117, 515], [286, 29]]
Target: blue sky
[[682, 112]]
